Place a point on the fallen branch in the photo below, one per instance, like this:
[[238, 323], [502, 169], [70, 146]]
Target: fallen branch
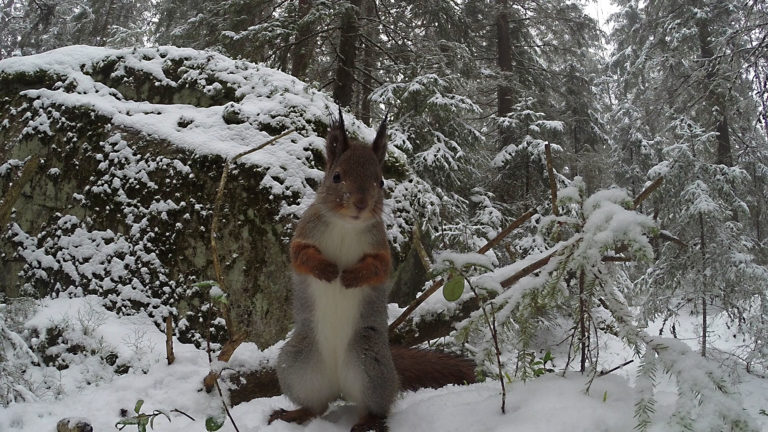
[[506, 231], [647, 191], [263, 382], [669, 237], [442, 326], [439, 282], [225, 354], [616, 258], [530, 268]]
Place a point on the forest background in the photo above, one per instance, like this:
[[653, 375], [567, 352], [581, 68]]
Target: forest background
[[634, 155]]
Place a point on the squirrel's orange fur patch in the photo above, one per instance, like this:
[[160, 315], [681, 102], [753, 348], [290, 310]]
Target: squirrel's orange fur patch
[[307, 259]]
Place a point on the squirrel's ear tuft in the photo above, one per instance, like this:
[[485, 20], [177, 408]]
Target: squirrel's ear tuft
[[336, 142], [379, 145]]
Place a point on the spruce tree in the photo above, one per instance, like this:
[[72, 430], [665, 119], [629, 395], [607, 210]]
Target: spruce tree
[[682, 99]]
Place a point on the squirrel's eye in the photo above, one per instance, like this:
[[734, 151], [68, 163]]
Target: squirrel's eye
[[336, 177], [381, 183]]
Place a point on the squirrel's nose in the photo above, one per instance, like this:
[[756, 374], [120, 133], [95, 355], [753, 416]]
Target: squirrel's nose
[[361, 204]]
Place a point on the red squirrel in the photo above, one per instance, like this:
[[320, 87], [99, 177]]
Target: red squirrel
[[341, 266]]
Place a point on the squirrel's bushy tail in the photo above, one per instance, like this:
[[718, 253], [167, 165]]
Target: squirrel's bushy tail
[[420, 368]]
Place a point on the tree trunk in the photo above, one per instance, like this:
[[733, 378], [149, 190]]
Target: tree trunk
[[369, 63], [757, 211], [703, 326], [29, 43], [716, 98], [347, 53], [6, 15], [762, 90], [582, 323], [703, 294], [304, 42], [723, 139], [505, 97], [99, 32]]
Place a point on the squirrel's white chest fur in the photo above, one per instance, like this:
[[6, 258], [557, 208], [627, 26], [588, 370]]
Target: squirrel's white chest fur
[[337, 309]]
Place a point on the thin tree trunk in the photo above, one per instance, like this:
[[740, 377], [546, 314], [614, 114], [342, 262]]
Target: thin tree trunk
[[757, 212], [347, 53], [763, 96], [368, 64], [304, 47], [582, 323], [717, 99], [5, 16], [703, 294], [703, 326], [99, 33], [30, 41], [527, 173], [505, 97]]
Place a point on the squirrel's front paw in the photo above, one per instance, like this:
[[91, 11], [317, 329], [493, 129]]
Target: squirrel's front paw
[[352, 277], [326, 271], [359, 276], [370, 270]]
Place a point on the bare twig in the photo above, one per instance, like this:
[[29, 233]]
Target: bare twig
[[226, 409], [568, 359], [615, 258], [183, 413], [491, 322], [614, 369], [237, 336]]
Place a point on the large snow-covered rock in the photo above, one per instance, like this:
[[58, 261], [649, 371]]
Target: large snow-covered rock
[[109, 165]]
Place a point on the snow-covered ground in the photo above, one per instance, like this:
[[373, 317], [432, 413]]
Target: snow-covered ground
[[90, 389]]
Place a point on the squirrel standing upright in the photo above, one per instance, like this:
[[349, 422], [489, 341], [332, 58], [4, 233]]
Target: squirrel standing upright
[[341, 265]]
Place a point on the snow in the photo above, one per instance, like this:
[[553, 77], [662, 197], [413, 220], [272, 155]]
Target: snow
[[90, 389], [266, 97], [64, 58], [448, 259], [266, 100]]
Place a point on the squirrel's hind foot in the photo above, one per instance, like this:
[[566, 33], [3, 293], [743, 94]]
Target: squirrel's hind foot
[[371, 423], [300, 416]]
